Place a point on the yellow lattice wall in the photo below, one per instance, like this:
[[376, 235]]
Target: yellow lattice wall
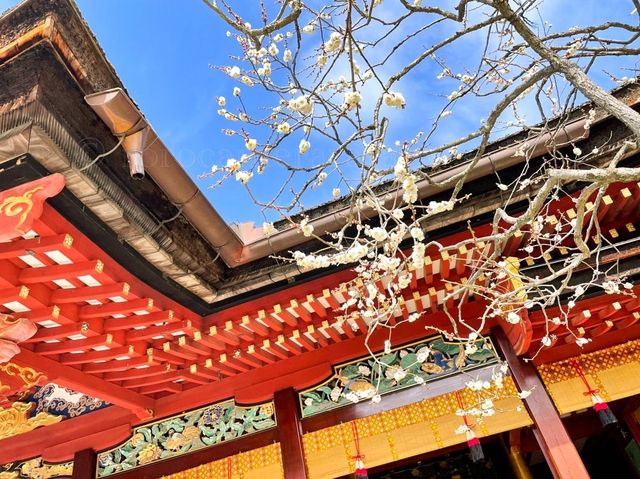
[[614, 371], [407, 431], [263, 463]]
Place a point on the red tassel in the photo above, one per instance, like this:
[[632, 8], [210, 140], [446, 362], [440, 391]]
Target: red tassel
[[605, 414], [361, 471], [475, 448], [599, 405]]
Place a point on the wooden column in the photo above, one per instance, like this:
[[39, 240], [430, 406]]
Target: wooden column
[[290, 433], [84, 464], [554, 441]]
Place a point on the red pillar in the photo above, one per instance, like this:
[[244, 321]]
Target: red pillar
[[554, 441], [290, 433], [84, 464]]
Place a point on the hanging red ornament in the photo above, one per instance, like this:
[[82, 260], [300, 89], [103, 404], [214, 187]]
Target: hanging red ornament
[[229, 468], [360, 469], [605, 414], [475, 448]]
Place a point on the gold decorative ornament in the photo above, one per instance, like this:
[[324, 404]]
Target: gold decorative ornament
[[19, 205], [16, 420], [29, 376]]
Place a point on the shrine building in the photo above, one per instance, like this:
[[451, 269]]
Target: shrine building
[[143, 337]]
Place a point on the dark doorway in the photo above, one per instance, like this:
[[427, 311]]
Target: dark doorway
[[454, 465]]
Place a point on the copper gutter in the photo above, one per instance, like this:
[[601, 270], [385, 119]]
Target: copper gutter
[[161, 165]]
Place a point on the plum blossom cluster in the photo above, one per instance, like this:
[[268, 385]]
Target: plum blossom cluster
[[341, 117]]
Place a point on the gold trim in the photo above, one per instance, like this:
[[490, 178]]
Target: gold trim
[[15, 420]]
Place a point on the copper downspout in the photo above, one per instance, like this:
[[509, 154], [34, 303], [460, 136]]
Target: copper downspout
[[182, 191]]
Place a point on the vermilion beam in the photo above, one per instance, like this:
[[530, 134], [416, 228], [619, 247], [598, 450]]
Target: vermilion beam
[[75, 295], [193, 346], [113, 353], [301, 311], [36, 245], [273, 323], [50, 273], [224, 336], [68, 346], [150, 381], [238, 331], [88, 328], [137, 372], [124, 307], [179, 352], [209, 341], [138, 320], [261, 354], [85, 383], [255, 326], [157, 388], [18, 293], [115, 365], [248, 359], [232, 362], [166, 331]]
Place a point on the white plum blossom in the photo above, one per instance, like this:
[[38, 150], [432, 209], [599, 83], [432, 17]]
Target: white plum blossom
[[524, 394], [234, 71], [273, 49], [410, 194], [251, 144], [309, 28], [417, 233], [334, 43], [301, 104], [284, 128], [243, 176], [513, 317], [394, 99], [286, 56], [236, 91], [268, 229], [306, 227], [232, 165], [352, 99], [379, 234], [400, 168], [417, 255], [221, 101], [439, 206], [304, 146]]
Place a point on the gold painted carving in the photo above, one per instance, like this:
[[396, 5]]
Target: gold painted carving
[[29, 377], [19, 205], [16, 420], [36, 469]]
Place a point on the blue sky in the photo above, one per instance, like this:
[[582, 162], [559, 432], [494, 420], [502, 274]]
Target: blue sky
[[162, 51]]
